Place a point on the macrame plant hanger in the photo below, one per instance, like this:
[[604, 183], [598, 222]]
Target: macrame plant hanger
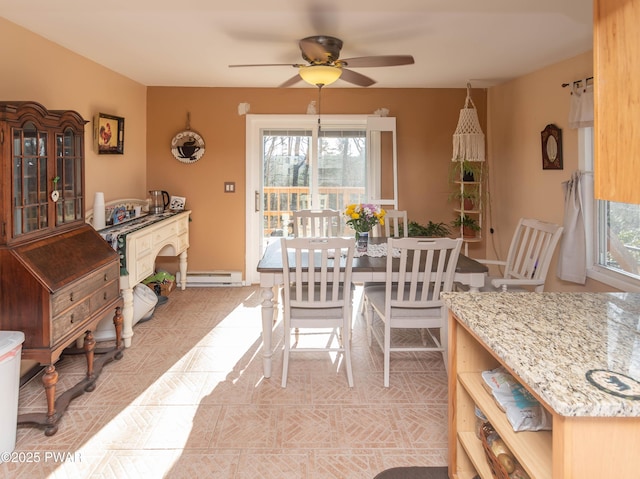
[[468, 139]]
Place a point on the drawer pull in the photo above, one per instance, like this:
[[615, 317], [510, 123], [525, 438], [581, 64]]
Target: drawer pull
[[106, 277], [72, 317], [104, 296], [71, 296]]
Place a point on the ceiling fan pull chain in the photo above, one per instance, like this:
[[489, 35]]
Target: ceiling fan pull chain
[[319, 105]]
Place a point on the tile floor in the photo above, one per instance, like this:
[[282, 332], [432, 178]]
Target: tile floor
[[189, 399]]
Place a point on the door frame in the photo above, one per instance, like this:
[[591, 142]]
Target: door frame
[[256, 124]]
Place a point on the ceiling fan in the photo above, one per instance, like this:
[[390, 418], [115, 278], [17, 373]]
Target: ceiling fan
[[324, 65]]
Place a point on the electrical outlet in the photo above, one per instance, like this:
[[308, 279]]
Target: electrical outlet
[[229, 186]]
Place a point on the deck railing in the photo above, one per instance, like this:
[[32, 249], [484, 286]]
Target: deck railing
[[279, 202]]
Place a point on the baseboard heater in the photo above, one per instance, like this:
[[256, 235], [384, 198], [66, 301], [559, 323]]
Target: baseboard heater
[[205, 279]]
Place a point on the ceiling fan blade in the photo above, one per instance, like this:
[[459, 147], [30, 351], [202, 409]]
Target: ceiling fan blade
[[290, 82], [322, 17], [378, 61], [356, 78], [267, 65]]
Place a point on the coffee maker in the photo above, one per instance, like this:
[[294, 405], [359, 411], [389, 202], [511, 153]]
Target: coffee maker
[[158, 201]]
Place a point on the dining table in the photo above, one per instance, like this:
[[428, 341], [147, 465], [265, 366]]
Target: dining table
[[366, 267]]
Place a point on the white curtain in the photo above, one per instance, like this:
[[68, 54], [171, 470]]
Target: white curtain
[[572, 263], [581, 109]]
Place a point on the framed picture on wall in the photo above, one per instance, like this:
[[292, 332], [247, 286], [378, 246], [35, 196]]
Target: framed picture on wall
[[108, 134], [551, 148]]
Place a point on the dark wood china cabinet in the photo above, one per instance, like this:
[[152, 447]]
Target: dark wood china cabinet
[[58, 277]]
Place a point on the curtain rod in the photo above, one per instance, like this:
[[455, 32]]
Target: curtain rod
[[577, 82]]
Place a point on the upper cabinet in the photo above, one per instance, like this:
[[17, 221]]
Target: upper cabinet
[[42, 175], [617, 100]]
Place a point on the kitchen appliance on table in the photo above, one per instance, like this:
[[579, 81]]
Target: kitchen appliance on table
[[158, 201]]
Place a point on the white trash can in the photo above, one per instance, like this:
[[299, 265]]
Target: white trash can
[[10, 352], [144, 303]]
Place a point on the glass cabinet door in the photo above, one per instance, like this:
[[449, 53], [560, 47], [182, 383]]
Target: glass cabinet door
[[70, 205], [30, 198]]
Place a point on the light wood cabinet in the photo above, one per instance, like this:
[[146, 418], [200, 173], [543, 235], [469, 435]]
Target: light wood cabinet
[[617, 100], [578, 447]]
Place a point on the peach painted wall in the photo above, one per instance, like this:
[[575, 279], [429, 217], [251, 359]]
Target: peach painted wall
[[517, 112], [34, 68], [426, 120]]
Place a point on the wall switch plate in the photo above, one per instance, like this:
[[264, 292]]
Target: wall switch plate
[[229, 186]]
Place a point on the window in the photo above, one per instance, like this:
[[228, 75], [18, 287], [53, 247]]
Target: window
[[613, 232]]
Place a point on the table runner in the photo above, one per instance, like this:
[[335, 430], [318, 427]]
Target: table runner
[[377, 251], [116, 235]]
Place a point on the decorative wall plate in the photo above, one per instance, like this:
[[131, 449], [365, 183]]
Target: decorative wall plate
[[187, 146]]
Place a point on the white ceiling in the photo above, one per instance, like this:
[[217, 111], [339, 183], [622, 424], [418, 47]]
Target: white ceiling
[[192, 42]]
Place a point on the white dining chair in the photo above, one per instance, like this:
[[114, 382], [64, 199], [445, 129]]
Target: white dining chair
[[528, 260], [412, 299], [317, 293], [316, 223], [395, 225]]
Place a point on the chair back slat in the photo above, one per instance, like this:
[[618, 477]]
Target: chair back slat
[[320, 267], [426, 269], [316, 223], [531, 249], [396, 225]]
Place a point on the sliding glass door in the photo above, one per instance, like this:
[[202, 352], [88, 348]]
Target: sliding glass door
[[293, 164], [304, 169]]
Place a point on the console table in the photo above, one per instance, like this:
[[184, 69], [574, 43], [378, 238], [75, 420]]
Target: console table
[[139, 242]]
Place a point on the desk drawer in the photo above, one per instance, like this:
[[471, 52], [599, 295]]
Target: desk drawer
[[143, 245], [145, 267], [103, 296], [165, 232], [80, 289], [183, 225], [69, 321], [183, 242]]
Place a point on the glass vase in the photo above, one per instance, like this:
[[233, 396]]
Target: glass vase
[[362, 241]]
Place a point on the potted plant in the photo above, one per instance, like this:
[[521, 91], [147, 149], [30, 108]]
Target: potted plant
[[433, 230], [469, 225], [466, 170], [470, 197]]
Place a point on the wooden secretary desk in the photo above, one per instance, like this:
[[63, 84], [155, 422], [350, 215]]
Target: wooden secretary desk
[[58, 277]]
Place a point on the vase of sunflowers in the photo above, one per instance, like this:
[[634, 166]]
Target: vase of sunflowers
[[362, 217]]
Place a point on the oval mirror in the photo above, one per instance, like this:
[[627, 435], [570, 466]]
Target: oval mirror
[[552, 148]]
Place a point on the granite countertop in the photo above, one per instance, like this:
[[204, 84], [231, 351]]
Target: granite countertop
[[552, 340]]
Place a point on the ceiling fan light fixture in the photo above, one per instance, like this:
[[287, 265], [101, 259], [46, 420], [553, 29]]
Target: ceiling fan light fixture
[[320, 75]]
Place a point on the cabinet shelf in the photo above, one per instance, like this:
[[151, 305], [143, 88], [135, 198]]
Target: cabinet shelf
[[473, 447], [460, 182], [532, 449]]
